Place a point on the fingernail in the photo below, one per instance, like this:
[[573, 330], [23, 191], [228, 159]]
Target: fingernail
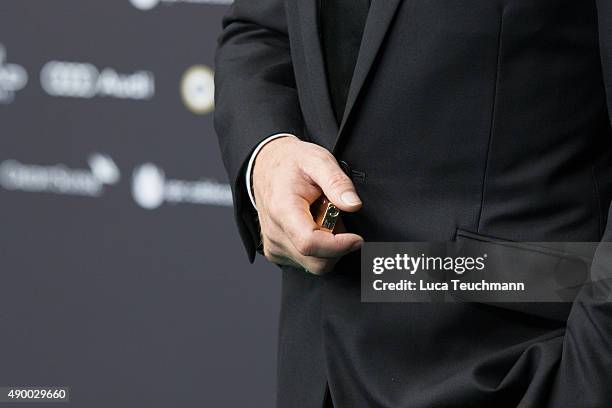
[[350, 198], [357, 245]]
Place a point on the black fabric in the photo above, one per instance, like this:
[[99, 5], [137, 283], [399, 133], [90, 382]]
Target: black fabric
[[328, 403], [342, 23], [483, 116]]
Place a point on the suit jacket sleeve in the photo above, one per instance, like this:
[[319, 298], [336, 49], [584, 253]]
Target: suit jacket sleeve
[[584, 376], [255, 95]]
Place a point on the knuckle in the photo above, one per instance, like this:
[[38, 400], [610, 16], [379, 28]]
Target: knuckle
[[267, 252], [304, 246], [316, 155], [271, 251], [324, 154], [268, 255], [314, 269], [338, 180], [319, 267]]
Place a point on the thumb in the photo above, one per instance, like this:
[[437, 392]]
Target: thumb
[[336, 185]]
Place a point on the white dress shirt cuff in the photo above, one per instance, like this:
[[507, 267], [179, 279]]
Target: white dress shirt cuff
[[249, 169]]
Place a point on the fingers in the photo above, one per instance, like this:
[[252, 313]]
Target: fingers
[[336, 185], [313, 265], [321, 244], [325, 260], [295, 239], [315, 250], [318, 266], [308, 241]]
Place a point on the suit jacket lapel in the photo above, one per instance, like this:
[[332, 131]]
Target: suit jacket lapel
[[315, 66], [378, 21]]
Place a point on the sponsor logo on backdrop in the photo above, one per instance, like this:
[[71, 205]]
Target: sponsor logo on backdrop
[[59, 178], [198, 89], [13, 78], [149, 4], [151, 188], [85, 80]]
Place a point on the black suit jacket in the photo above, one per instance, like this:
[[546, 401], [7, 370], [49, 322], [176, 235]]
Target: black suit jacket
[[472, 119]]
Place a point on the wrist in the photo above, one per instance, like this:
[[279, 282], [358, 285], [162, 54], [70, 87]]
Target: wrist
[[251, 164]]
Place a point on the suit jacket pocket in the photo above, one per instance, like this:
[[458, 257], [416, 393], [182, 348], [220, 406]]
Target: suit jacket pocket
[[555, 272]]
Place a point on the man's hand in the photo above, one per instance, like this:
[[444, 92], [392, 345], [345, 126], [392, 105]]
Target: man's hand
[[288, 176]]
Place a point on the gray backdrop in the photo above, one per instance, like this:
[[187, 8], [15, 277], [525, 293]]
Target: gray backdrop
[[121, 272]]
